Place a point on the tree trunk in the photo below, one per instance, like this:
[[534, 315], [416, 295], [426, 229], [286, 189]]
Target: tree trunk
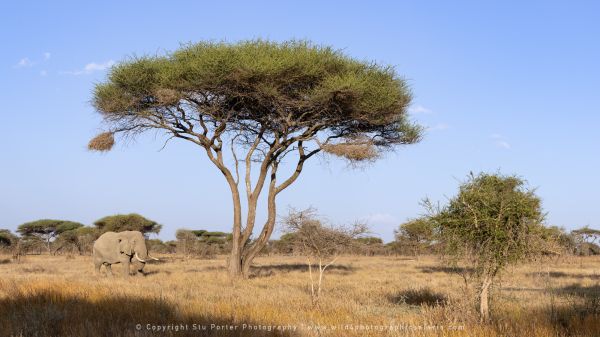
[[484, 310], [251, 251], [234, 264], [242, 253]]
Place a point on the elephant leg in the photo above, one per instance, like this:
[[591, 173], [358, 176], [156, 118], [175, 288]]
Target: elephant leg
[[108, 269], [140, 269], [126, 268], [97, 265]]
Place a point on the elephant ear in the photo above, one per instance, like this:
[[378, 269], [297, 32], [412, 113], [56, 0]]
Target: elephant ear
[[125, 247]]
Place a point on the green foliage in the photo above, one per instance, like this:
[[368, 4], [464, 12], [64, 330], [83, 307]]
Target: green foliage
[[32, 244], [48, 230], [198, 232], [43, 227], [156, 245], [201, 242], [218, 238], [587, 234], [285, 244], [185, 234], [369, 240], [67, 226], [87, 230], [215, 234], [265, 99], [74, 236], [493, 221], [555, 240], [585, 241], [127, 222], [416, 234], [205, 236], [7, 238], [258, 81], [588, 249]]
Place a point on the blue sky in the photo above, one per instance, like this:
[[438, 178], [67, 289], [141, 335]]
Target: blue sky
[[509, 87]]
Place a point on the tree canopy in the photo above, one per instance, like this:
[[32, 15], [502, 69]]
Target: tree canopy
[[493, 221], [127, 222], [587, 234], [258, 85], [416, 233], [493, 217], [7, 238], [265, 99], [47, 229]]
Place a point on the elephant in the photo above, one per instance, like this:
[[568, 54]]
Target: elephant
[[128, 247]]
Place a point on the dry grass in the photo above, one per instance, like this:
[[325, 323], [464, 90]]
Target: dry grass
[[56, 296]]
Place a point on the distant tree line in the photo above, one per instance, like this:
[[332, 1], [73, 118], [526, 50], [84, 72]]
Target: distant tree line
[[415, 237], [52, 236]]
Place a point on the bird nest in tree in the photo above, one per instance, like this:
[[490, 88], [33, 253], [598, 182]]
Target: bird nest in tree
[[356, 150], [102, 142]]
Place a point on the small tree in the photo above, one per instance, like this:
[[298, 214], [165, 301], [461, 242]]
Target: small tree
[[585, 239], [285, 244], [11, 243], [158, 246], [67, 236], [263, 102], [416, 234], [186, 240], [492, 222], [127, 222], [319, 242], [370, 245], [45, 230], [32, 244], [7, 238], [556, 241], [85, 238]]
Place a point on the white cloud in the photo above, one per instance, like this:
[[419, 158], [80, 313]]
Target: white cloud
[[500, 141], [47, 55], [419, 109], [43, 73], [503, 144], [92, 67], [438, 127], [24, 62]]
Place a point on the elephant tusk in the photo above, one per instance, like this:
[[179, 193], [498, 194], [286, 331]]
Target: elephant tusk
[[138, 258], [153, 258]]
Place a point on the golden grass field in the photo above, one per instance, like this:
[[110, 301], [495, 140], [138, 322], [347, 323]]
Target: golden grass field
[[362, 296]]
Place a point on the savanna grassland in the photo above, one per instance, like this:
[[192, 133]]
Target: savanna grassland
[[362, 296]]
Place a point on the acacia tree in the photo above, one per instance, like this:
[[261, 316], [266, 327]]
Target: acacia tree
[[263, 102], [493, 221], [186, 240], [7, 238], [585, 238], [416, 234], [46, 230], [127, 222]]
